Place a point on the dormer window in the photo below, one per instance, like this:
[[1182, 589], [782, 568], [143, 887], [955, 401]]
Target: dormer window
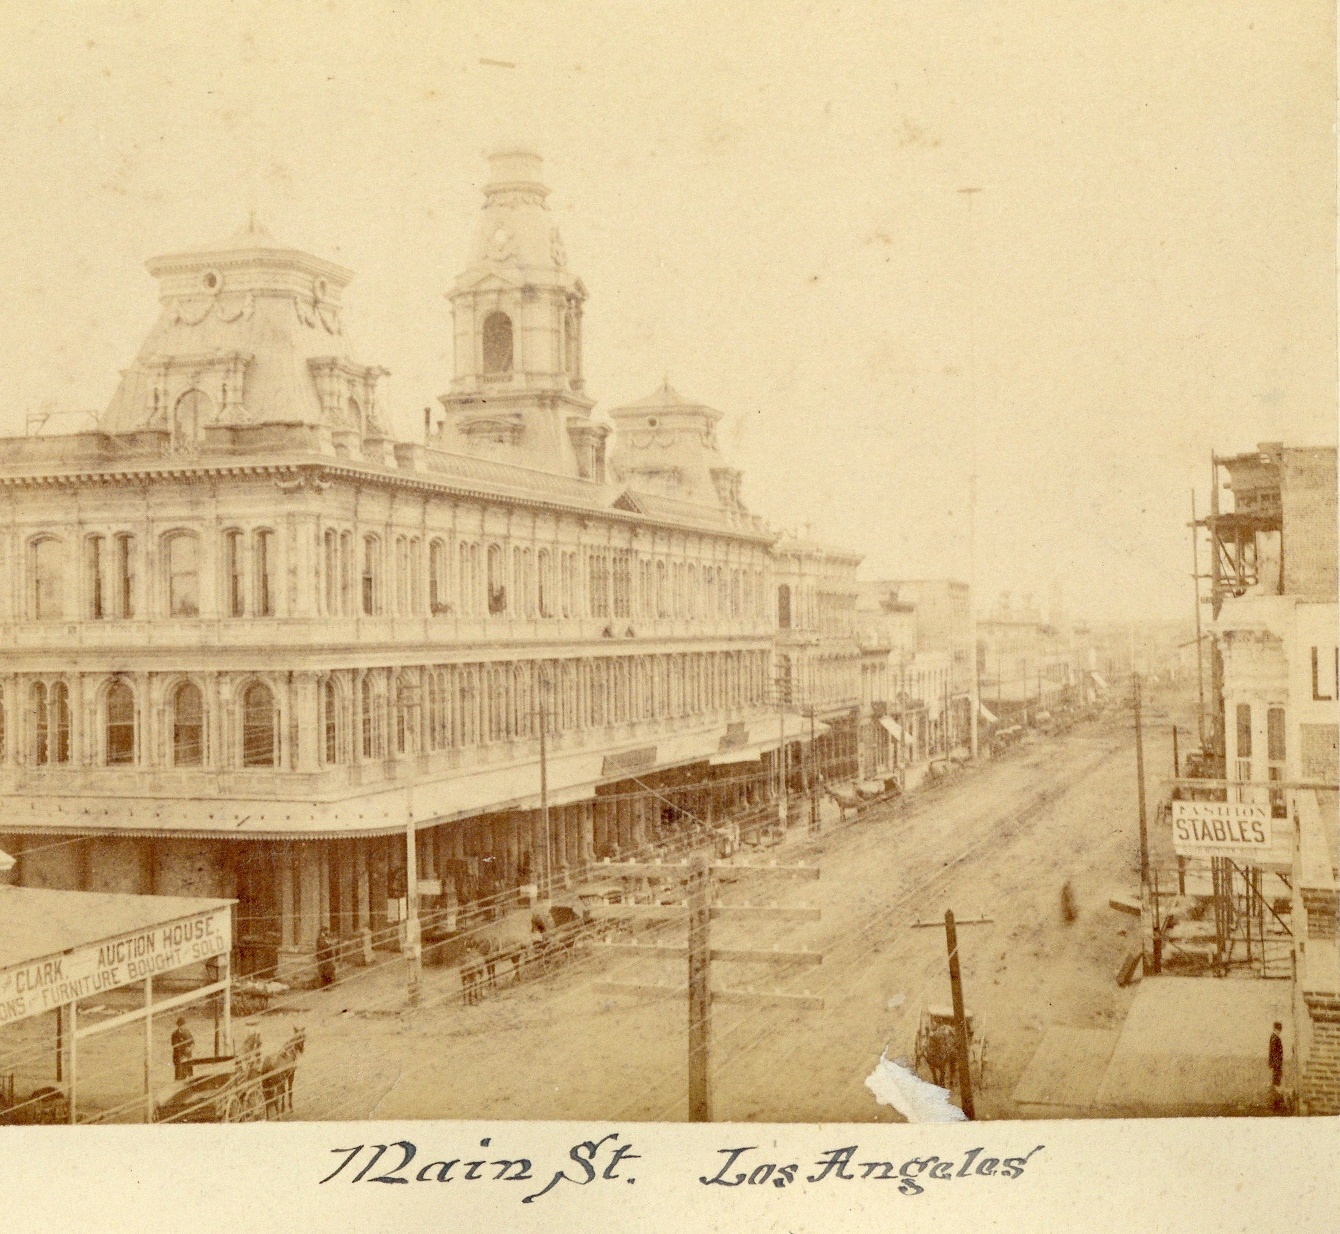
[[497, 340]]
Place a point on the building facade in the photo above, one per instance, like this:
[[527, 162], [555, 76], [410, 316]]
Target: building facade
[[819, 658], [251, 641], [1277, 657]]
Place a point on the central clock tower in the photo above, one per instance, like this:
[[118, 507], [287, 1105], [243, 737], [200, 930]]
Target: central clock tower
[[517, 393]]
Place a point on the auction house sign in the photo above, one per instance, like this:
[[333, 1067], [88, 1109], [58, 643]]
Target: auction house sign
[[1221, 829], [47, 982]]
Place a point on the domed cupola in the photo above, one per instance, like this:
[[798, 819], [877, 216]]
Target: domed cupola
[[249, 353], [517, 391], [666, 444]]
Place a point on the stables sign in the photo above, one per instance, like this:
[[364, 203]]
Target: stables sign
[[49, 982], [1221, 829]]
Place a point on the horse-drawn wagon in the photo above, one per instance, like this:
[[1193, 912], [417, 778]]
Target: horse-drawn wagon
[[937, 1046], [248, 1087]]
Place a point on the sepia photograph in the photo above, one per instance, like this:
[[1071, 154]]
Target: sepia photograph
[[668, 563]]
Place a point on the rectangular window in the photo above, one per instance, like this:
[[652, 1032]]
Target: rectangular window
[[1244, 717], [369, 596], [623, 583], [599, 585], [96, 607], [125, 576], [183, 577], [265, 574], [232, 573], [1275, 747]]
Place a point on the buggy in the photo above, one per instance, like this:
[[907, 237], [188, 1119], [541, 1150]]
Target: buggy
[[937, 1045]]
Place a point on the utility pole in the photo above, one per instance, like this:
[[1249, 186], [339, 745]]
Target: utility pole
[[697, 876], [700, 991], [1200, 665], [969, 194], [547, 884], [413, 943], [960, 1018], [1140, 776]]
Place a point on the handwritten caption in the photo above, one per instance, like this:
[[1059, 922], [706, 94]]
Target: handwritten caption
[[609, 1160]]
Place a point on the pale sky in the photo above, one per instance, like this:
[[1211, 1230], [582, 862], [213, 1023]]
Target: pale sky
[[763, 203]]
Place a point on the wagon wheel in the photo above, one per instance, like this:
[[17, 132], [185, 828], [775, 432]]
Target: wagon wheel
[[233, 1108], [253, 1103]]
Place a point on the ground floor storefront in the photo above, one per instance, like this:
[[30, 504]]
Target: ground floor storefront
[[346, 896]]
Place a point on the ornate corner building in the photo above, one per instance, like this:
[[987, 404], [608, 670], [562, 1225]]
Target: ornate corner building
[[250, 638]]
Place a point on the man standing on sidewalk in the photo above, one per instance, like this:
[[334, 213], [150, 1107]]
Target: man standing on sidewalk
[[1276, 1066]]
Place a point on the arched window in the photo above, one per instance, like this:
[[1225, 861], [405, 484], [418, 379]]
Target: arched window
[[370, 573], [365, 716], [354, 414], [47, 560], [259, 730], [60, 723], [183, 579], [331, 722], [783, 607], [496, 585], [437, 576], [194, 409], [188, 726], [407, 714], [120, 724], [544, 583], [41, 724], [263, 559], [330, 564], [402, 576], [497, 340]]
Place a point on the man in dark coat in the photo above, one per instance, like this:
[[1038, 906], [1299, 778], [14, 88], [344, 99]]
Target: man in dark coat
[[1276, 1058], [183, 1046], [325, 956]]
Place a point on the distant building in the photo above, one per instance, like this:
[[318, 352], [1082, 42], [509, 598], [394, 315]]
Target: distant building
[[818, 654], [1025, 663]]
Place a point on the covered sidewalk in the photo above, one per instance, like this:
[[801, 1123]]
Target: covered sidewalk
[[67, 961]]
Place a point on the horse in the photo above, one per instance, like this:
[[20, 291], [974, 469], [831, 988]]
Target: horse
[[277, 1072], [942, 1055]]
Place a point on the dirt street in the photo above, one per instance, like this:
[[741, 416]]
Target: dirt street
[[998, 840]]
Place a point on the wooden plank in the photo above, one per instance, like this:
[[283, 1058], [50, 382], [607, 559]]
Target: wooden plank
[[762, 998], [808, 1002], [940, 925], [762, 912], [806, 872], [745, 955], [652, 951], [613, 912], [638, 987]]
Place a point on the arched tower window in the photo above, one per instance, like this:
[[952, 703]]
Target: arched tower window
[[188, 726], [497, 341], [194, 409], [120, 724], [258, 727]]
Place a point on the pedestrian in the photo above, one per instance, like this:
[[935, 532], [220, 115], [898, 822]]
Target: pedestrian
[[1276, 1061], [183, 1046], [325, 956]]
